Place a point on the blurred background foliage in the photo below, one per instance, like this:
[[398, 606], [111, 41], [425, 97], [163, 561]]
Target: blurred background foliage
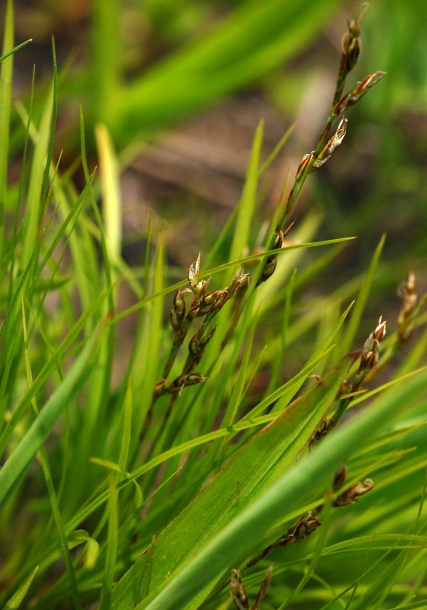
[[182, 85]]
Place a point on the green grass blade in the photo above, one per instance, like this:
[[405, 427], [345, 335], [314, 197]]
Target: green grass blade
[[106, 58], [361, 300], [49, 483], [15, 49], [112, 541], [248, 200], [17, 598], [219, 268], [239, 536], [110, 190], [255, 38], [6, 71], [236, 397], [277, 149], [45, 191], [18, 463], [262, 460], [35, 188]]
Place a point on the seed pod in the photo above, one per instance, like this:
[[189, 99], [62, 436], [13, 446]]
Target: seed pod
[[279, 241], [162, 387], [238, 591], [351, 495], [339, 478], [351, 47], [263, 588], [237, 282], [304, 163], [177, 312], [345, 388], [268, 270], [193, 274], [304, 527], [362, 87], [370, 352], [335, 141], [208, 302]]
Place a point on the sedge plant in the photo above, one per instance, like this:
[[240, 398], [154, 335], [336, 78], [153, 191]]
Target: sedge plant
[[191, 481]]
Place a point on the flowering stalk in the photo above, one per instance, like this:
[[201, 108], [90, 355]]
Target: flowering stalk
[[204, 305], [369, 356], [238, 591], [410, 310], [350, 51], [307, 524]]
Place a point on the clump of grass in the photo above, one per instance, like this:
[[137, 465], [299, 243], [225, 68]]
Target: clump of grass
[[153, 487]]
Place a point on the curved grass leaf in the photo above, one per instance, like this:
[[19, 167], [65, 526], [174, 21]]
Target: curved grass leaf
[[18, 463], [260, 462], [257, 37], [242, 533]]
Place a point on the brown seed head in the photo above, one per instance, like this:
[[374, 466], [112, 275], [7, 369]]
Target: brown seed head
[[351, 495], [339, 478], [335, 141], [304, 163], [380, 331], [193, 274]]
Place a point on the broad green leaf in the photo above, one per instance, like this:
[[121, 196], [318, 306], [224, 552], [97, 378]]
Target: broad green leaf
[[257, 37], [250, 472], [235, 539]]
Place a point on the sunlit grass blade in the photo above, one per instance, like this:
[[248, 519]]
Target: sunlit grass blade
[[110, 189], [112, 540], [248, 200], [47, 471], [219, 268], [17, 464], [6, 70], [209, 68], [44, 373], [277, 149], [262, 460], [17, 598], [106, 42], [36, 184], [245, 530], [361, 300]]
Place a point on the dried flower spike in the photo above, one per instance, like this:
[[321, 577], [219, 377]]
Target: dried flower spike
[[177, 312], [339, 478], [263, 588], [407, 291], [193, 274], [351, 495], [350, 51], [351, 98], [370, 353], [331, 145], [197, 345], [238, 592]]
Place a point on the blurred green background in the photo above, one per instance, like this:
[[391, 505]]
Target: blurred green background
[[182, 86]]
